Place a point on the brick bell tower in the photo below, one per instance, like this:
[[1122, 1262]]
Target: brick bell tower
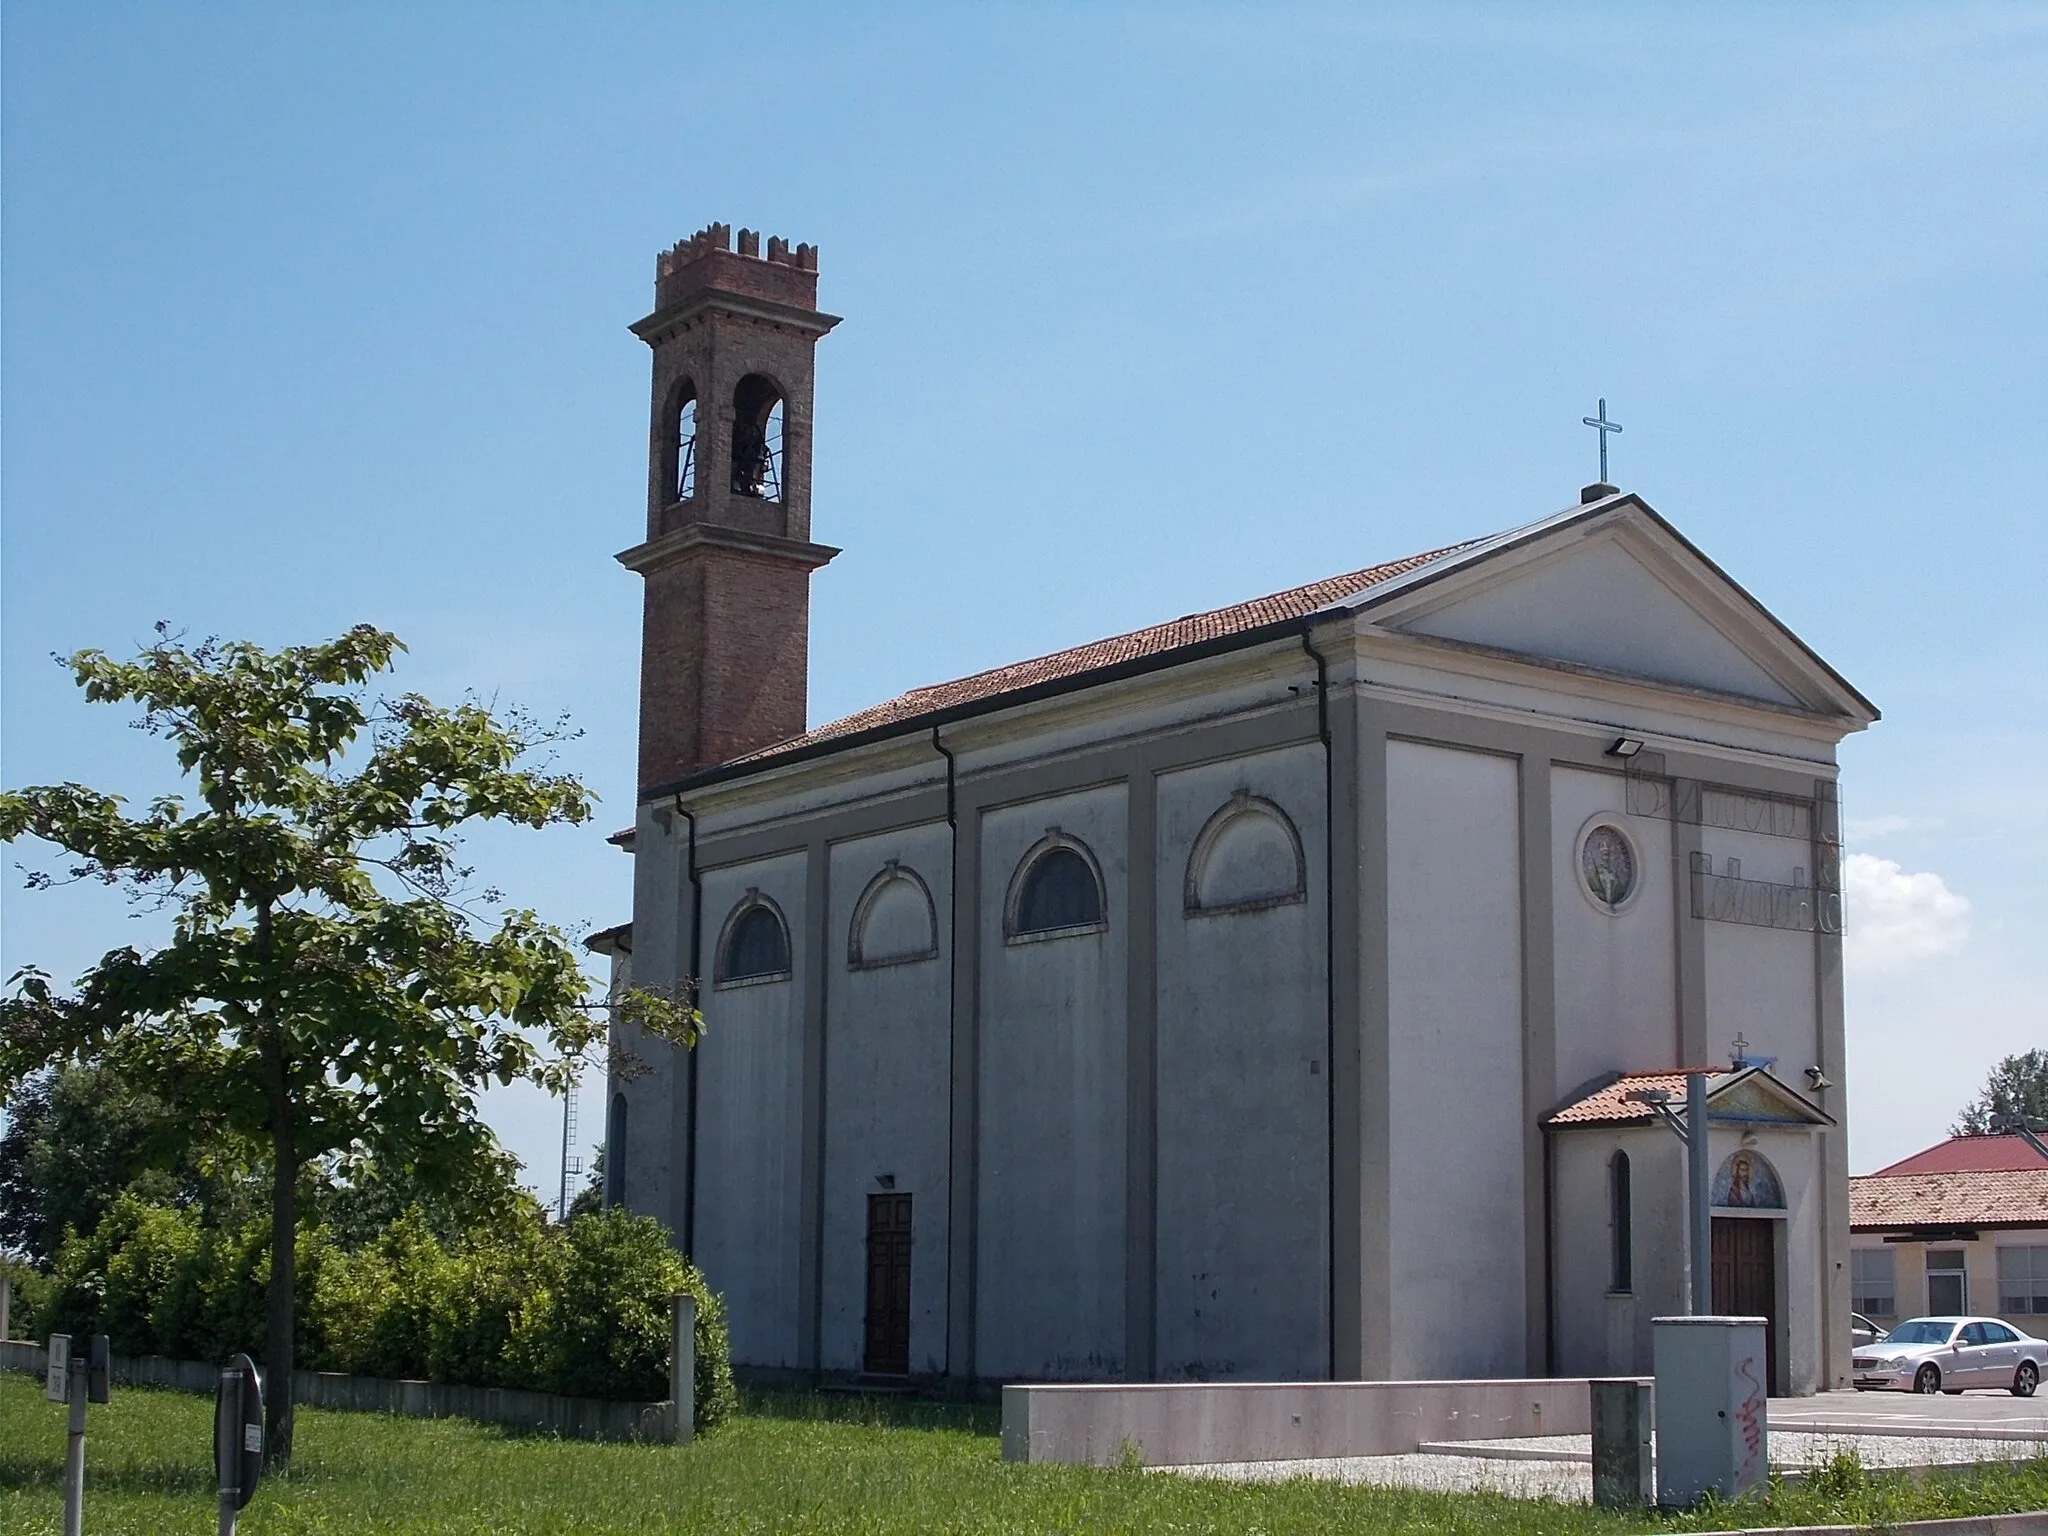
[[724, 651]]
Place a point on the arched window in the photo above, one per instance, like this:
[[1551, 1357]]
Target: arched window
[[757, 438], [615, 1153], [756, 944], [1620, 1224], [683, 482], [1246, 858], [893, 922], [1057, 891]]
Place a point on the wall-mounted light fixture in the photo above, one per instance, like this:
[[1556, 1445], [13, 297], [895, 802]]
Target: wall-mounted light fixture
[[1625, 747], [886, 1180], [1820, 1080]]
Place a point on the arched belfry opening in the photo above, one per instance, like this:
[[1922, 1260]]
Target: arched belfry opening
[[757, 438], [682, 437]]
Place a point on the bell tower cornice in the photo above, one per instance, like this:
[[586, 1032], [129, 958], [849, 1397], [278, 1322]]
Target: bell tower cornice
[[664, 323], [676, 545]]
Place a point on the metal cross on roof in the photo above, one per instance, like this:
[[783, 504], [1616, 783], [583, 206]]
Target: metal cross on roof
[[1603, 426]]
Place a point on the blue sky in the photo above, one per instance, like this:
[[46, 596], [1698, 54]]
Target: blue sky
[[317, 316]]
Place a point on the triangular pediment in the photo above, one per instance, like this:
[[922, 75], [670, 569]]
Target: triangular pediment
[[1755, 1097], [1614, 588]]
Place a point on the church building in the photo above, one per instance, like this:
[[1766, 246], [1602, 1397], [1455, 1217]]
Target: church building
[[1296, 990]]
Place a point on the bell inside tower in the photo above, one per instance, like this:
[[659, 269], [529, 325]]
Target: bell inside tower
[[757, 439]]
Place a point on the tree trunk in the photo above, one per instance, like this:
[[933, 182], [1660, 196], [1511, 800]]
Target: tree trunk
[[277, 1354], [284, 1177]]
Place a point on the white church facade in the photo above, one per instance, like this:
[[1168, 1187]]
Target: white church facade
[[1281, 992]]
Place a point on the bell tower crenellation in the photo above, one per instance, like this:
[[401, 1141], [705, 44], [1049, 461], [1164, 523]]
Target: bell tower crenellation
[[728, 553]]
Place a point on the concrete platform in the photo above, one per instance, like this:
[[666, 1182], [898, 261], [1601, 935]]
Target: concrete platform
[[1204, 1423], [1561, 1466]]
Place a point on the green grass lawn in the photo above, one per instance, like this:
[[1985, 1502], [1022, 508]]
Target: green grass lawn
[[787, 1464]]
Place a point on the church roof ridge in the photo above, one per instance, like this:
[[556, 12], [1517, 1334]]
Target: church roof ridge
[[1186, 638], [1187, 632]]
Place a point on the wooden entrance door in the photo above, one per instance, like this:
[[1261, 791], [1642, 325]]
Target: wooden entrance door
[[888, 1335], [1746, 1279]]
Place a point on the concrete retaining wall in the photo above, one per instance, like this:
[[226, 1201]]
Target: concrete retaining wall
[[1175, 1425], [572, 1418]]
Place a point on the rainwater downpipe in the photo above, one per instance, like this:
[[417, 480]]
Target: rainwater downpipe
[[1549, 1250], [1329, 971], [952, 1006], [690, 1073]]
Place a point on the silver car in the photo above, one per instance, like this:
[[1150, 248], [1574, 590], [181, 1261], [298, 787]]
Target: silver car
[[1951, 1354]]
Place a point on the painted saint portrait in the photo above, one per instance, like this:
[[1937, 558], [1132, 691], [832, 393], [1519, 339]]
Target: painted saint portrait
[[1747, 1182], [1609, 865]]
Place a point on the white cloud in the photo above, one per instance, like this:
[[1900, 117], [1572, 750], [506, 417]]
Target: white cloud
[[1883, 826], [1898, 920]]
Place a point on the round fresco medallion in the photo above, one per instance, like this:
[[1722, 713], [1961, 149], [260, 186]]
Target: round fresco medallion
[[1610, 866]]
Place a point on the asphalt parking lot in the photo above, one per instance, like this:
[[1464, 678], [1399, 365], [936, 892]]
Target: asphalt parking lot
[[1990, 1413]]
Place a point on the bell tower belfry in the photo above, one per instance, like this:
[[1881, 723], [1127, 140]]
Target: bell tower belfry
[[725, 642]]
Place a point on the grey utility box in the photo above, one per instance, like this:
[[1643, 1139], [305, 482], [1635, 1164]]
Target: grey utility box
[[1622, 1476], [1712, 1390]]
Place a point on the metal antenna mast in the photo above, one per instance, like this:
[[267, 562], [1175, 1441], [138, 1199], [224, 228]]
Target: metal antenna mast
[[572, 1167]]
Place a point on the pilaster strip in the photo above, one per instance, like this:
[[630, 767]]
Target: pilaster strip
[[1539, 1050], [1141, 1077]]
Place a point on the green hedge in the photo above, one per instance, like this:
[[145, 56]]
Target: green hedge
[[581, 1310]]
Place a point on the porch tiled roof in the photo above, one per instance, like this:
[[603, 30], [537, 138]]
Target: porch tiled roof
[[2002, 1197], [1612, 1104]]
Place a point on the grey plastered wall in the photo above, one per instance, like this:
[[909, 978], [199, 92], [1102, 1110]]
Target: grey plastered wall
[[886, 1056], [990, 786], [1050, 1268], [750, 1136], [1616, 982], [1242, 1106], [1600, 1332], [1530, 743], [647, 1071], [1455, 1063]]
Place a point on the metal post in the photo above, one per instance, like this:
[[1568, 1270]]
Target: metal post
[[227, 1446], [74, 1449], [1698, 1173], [682, 1368], [1623, 1468], [6, 1304]]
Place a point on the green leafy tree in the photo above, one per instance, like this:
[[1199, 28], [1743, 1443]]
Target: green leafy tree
[[75, 1140], [2016, 1089], [330, 988]]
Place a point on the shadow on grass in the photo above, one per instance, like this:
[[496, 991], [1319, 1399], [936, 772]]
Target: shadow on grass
[[153, 1477], [874, 1412]]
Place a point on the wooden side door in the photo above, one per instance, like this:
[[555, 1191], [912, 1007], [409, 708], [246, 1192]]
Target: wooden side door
[[887, 1350], [1745, 1278]]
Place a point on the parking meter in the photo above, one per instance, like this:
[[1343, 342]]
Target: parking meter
[[238, 1431], [97, 1363]]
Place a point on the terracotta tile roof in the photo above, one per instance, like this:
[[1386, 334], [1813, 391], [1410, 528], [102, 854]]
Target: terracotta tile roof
[[1976, 1198], [1970, 1154], [1611, 1105], [1177, 634]]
